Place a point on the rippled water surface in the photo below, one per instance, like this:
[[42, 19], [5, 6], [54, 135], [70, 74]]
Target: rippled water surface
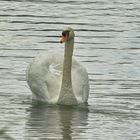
[[107, 44]]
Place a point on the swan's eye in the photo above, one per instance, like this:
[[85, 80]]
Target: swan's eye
[[65, 33]]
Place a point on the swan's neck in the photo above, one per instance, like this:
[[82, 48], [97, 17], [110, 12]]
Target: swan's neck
[[69, 45], [67, 96]]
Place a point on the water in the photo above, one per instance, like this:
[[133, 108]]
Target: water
[[107, 44]]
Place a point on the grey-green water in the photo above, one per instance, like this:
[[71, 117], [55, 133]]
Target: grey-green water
[[107, 44]]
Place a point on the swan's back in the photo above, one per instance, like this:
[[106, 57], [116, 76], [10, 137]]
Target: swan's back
[[44, 76]]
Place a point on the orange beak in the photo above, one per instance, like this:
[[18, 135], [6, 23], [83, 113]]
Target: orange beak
[[63, 39]]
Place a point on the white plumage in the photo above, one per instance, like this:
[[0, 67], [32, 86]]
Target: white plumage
[[44, 76], [54, 78]]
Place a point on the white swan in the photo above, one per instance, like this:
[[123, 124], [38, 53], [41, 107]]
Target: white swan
[[58, 79]]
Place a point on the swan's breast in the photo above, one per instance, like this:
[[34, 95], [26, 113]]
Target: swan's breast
[[44, 77]]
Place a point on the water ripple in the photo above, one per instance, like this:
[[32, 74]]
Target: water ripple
[[106, 43]]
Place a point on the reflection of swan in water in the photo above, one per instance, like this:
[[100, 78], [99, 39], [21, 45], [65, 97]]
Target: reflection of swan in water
[[56, 122], [50, 85]]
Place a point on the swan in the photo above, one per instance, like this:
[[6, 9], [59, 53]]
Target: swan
[[57, 79]]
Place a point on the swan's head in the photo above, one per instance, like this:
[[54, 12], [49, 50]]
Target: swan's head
[[67, 35]]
